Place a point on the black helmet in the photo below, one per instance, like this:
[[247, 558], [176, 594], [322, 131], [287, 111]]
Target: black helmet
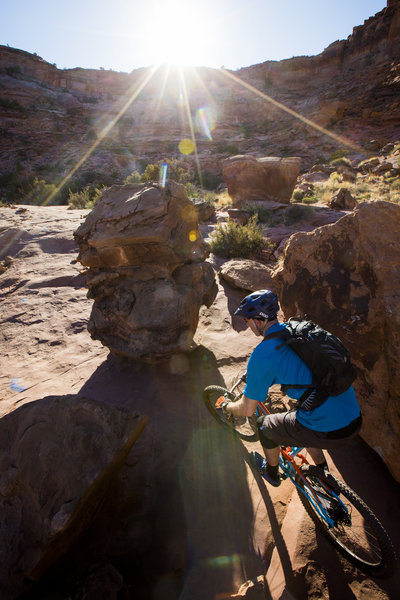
[[262, 304]]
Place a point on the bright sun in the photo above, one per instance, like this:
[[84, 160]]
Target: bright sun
[[178, 33]]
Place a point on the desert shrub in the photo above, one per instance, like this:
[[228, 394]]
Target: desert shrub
[[209, 197], [151, 173], [310, 199], [13, 70], [134, 177], [85, 198], [232, 240], [297, 195], [192, 190], [228, 148], [223, 200], [264, 215], [38, 191], [395, 185], [340, 153], [177, 170], [297, 212], [342, 161], [247, 129], [12, 104]]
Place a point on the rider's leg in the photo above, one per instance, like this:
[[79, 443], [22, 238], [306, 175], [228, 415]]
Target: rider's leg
[[318, 457], [272, 455]]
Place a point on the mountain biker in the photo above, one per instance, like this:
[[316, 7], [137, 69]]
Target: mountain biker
[[315, 425]]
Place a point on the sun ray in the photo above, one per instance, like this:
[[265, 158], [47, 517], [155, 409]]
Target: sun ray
[[338, 138], [103, 133], [190, 121]]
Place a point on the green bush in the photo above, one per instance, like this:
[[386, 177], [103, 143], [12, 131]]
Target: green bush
[[192, 190], [395, 185], [232, 240], [38, 192], [297, 195], [134, 177], [85, 198]]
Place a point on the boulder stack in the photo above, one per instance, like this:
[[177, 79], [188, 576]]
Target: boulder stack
[[146, 270]]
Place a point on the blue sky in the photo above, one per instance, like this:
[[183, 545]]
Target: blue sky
[[127, 34]]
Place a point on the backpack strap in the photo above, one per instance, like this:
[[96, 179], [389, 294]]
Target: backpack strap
[[279, 334], [287, 340]]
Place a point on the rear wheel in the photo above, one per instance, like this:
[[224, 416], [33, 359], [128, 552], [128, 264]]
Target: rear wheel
[[243, 427], [354, 529]]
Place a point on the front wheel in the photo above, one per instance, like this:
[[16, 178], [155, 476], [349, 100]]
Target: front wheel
[[243, 427], [346, 521]]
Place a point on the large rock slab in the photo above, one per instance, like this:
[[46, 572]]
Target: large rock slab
[[346, 276], [59, 455], [147, 274], [268, 178]]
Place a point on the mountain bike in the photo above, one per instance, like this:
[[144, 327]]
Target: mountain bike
[[341, 515]]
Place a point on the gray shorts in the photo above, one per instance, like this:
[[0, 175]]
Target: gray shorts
[[283, 429]]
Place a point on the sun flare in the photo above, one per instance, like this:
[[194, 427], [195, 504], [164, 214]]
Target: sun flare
[[178, 33]]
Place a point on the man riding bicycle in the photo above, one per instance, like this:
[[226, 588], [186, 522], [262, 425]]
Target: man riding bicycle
[[315, 424]]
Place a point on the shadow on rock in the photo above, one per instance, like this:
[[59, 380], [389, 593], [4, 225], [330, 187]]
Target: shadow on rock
[[179, 519]]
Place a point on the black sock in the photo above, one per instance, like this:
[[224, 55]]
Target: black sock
[[323, 465], [273, 471]]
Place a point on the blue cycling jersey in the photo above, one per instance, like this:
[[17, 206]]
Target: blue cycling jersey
[[268, 366]]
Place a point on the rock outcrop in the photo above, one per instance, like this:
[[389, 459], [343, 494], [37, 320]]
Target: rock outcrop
[[268, 178], [59, 456], [147, 274], [352, 89], [346, 276]]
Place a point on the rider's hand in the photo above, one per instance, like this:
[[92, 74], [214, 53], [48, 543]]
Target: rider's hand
[[220, 407]]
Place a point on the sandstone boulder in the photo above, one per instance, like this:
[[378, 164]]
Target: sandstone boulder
[[383, 167], [346, 276], [368, 165], [343, 200], [240, 216], [205, 210], [246, 274], [147, 274], [269, 178], [59, 455]]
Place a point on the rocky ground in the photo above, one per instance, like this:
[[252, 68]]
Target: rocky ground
[[217, 526]]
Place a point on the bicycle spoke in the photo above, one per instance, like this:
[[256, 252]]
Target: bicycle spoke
[[347, 521]]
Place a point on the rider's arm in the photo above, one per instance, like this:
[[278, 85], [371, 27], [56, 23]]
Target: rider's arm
[[244, 407]]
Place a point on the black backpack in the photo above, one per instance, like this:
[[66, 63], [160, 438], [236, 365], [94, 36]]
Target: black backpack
[[329, 361]]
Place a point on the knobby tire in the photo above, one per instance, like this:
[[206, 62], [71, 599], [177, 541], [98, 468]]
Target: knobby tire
[[244, 428], [362, 540]]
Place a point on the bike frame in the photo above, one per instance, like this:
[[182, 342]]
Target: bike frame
[[290, 468]]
